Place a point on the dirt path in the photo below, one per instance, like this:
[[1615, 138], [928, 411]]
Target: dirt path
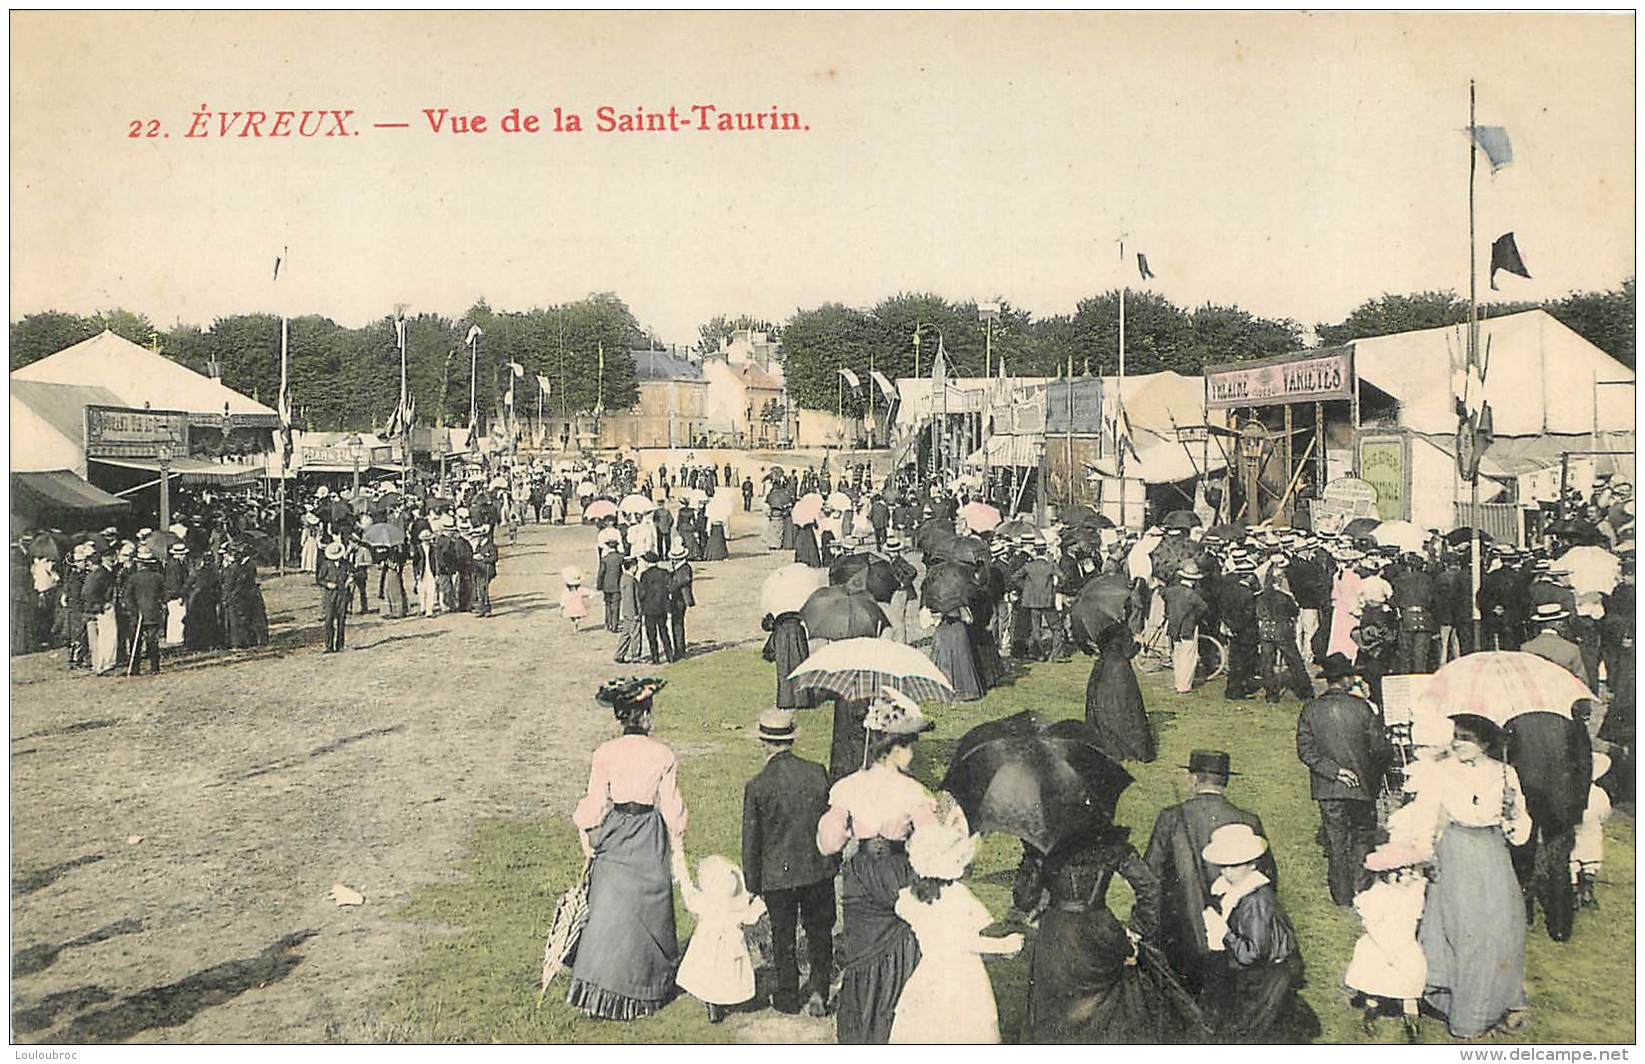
[[174, 838]]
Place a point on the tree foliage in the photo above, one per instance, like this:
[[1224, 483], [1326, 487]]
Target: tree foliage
[[719, 328]]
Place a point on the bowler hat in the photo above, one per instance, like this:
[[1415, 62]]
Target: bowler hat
[[1209, 763], [1337, 666]]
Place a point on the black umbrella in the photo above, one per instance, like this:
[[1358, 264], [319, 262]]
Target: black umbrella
[[779, 499], [44, 546], [964, 550], [1361, 526], [835, 613], [1085, 517], [1458, 536], [947, 587], [864, 572], [1227, 532], [1044, 785], [933, 537], [1103, 602], [1180, 519], [1578, 533]]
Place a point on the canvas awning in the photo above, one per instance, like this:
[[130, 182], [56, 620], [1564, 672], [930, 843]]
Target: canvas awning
[[60, 491], [1003, 450], [191, 470], [1164, 463]]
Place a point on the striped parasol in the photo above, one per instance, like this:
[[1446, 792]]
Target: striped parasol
[[1499, 685], [858, 668], [565, 930]]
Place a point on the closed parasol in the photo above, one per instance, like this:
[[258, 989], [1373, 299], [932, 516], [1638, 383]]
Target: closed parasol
[[835, 613], [1046, 785], [385, 534], [808, 509], [719, 508], [1593, 570], [787, 589], [980, 517], [1499, 685], [599, 509], [859, 667]]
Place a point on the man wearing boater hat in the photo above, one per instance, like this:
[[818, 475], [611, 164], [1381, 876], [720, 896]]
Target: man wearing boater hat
[[1175, 855], [1341, 741], [781, 808]]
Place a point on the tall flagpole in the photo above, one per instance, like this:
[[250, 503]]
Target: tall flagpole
[[473, 385], [405, 413], [285, 417], [1473, 360], [1119, 400]]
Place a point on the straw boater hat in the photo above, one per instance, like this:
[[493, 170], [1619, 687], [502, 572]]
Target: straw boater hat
[[1234, 844], [894, 713], [1190, 572], [893, 543], [1549, 612], [179, 548], [777, 726], [942, 849], [678, 552], [335, 550], [144, 554]]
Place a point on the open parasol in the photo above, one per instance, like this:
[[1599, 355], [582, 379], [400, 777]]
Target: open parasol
[[808, 509], [980, 517], [719, 508], [636, 505], [161, 541], [1046, 785], [1499, 685], [1401, 534], [835, 613], [839, 502], [385, 534], [786, 590], [585, 489], [599, 509], [857, 668], [1593, 570]]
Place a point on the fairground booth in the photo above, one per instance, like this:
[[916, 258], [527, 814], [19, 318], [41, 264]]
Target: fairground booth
[[1370, 428]]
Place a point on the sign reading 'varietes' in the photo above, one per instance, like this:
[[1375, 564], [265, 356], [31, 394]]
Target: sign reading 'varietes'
[[1305, 378]]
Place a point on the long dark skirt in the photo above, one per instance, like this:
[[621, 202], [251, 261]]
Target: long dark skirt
[[879, 951], [806, 551], [715, 550], [951, 651], [1473, 931], [786, 540], [849, 741], [1113, 706], [789, 648], [1080, 989], [202, 626], [628, 951], [1255, 1005]]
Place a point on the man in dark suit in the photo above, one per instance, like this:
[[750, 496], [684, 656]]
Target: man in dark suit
[[1340, 739], [655, 599], [1554, 758], [609, 580], [781, 808], [1175, 855]]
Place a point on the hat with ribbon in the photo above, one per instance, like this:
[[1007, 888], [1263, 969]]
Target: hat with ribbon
[[894, 713], [1234, 844], [1209, 763], [777, 726]]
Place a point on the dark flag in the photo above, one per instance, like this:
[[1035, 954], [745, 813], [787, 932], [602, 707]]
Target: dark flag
[[1505, 256], [1142, 267]]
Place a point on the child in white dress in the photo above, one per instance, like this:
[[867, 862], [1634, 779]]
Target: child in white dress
[[717, 969], [1388, 963], [948, 1000], [1588, 853]]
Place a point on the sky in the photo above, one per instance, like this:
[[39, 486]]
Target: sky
[[1294, 164]]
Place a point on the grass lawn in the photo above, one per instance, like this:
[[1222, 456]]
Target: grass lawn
[[476, 980]]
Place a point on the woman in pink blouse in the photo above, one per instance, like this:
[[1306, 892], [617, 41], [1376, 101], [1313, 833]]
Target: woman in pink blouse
[[877, 808], [632, 824]]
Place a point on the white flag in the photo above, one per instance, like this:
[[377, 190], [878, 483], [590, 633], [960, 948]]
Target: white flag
[[519, 370], [474, 333], [400, 332], [886, 387], [543, 383], [850, 378]]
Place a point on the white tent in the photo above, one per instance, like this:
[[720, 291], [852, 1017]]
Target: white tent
[[139, 377], [1541, 378]]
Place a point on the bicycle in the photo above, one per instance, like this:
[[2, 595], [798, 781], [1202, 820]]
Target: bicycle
[[1155, 652]]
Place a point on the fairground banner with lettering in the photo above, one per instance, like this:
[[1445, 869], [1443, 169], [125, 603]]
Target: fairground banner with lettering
[[1309, 377]]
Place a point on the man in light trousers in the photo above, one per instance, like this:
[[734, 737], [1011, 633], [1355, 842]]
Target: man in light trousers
[[1184, 606]]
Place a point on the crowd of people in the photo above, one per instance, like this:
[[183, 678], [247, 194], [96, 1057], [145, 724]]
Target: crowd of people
[[1447, 851]]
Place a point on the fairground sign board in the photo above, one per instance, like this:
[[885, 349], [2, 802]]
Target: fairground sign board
[[124, 432], [1074, 406], [1309, 377], [1343, 500]]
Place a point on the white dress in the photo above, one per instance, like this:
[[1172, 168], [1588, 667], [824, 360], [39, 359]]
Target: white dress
[[1388, 960], [948, 1000], [717, 969]]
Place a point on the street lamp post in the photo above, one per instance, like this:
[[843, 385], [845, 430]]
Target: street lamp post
[[163, 451], [355, 446]]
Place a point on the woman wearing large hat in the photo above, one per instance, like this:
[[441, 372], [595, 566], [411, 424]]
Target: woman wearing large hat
[[878, 808], [632, 826]]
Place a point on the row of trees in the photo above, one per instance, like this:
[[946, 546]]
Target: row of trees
[[345, 378]]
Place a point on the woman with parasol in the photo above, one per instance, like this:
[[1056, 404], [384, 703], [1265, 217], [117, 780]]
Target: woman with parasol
[[632, 824], [1468, 808], [876, 808]]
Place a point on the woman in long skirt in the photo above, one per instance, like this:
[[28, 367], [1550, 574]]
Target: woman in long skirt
[[632, 825], [202, 625], [1469, 807], [788, 646], [952, 652], [716, 550], [1113, 699], [806, 550], [879, 807]]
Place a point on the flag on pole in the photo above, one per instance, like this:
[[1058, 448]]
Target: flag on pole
[[939, 367], [1505, 257], [400, 330], [474, 333], [1142, 267], [519, 370], [884, 382], [1123, 442], [1493, 140], [401, 418], [545, 385], [850, 378]]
